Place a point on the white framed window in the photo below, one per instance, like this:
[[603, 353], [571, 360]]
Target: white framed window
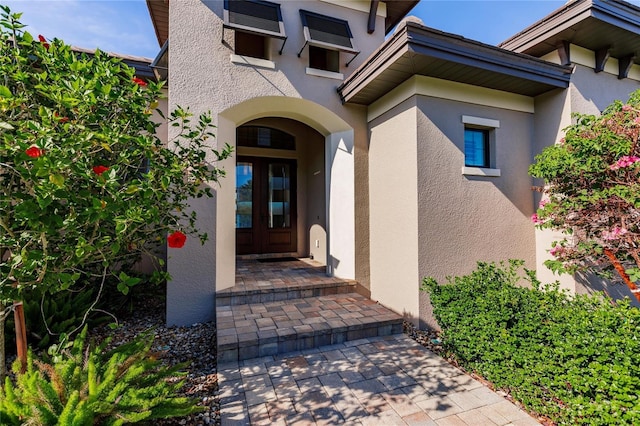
[[480, 146]]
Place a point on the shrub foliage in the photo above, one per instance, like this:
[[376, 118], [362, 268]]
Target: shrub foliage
[[88, 385], [575, 360], [87, 187]]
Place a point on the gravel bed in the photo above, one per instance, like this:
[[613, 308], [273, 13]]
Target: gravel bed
[[174, 345]]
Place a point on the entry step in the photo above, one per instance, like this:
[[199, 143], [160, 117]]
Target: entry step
[[275, 291], [254, 330]]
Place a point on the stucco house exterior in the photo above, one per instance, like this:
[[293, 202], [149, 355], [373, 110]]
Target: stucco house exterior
[[387, 150]]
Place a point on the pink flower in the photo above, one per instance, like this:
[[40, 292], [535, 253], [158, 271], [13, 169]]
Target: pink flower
[[43, 41], [139, 81], [624, 161], [536, 220], [543, 203], [627, 107], [34, 152], [614, 234], [556, 251], [176, 240], [99, 170], [561, 141]]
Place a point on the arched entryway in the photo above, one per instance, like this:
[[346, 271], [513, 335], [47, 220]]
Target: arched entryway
[[322, 165], [280, 189]]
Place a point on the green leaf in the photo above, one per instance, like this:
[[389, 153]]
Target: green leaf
[[132, 189], [123, 288], [115, 248], [57, 180], [121, 226], [5, 92]]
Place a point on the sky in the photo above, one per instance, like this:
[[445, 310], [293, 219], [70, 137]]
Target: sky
[[124, 26]]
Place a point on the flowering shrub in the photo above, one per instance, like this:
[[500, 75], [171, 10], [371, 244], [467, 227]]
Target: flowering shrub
[[591, 193], [86, 186]]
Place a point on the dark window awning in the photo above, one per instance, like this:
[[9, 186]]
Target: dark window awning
[[256, 17], [327, 32]]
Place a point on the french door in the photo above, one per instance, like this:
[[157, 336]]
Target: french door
[[266, 219]]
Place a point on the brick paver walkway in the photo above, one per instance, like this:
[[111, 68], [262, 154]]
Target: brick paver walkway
[[389, 380]]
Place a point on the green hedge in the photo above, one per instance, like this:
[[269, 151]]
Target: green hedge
[[575, 359]]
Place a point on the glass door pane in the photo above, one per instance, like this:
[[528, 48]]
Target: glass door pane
[[244, 195], [279, 195]]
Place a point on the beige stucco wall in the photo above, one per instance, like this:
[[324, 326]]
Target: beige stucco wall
[[203, 77], [465, 219], [591, 92], [429, 219], [553, 115], [393, 197]]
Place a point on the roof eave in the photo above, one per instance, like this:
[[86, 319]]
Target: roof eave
[[618, 13], [419, 40], [158, 11], [396, 10]]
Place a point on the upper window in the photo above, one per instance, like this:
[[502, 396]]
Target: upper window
[[264, 137], [476, 148], [324, 59], [254, 45], [326, 37], [479, 146], [254, 22]]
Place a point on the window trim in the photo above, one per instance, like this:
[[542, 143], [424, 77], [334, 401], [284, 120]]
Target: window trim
[[323, 73], [488, 125], [251, 61]]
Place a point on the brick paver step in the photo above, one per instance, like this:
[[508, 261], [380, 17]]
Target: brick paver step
[[274, 291], [287, 280], [270, 328]]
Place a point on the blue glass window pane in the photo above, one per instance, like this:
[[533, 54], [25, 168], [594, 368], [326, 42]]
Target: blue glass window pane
[[244, 195], [476, 148]]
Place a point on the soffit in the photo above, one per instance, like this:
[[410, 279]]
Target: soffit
[[417, 50], [591, 24], [159, 11]]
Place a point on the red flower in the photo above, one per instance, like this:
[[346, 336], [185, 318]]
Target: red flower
[[176, 240], [34, 152], [139, 81], [43, 41], [100, 169], [61, 119]]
